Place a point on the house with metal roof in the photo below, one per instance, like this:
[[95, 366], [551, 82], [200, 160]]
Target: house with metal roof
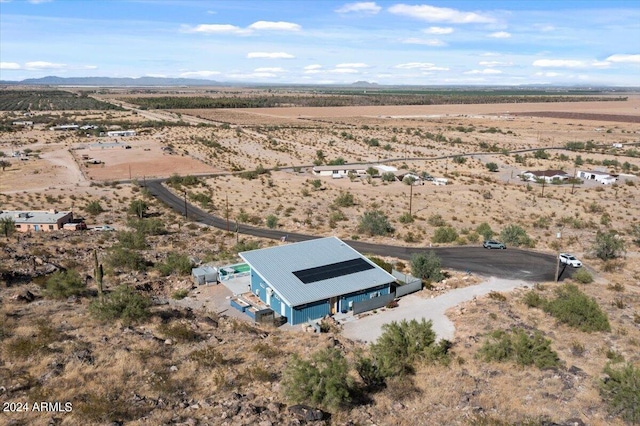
[[311, 279], [546, 175], [37, 220]]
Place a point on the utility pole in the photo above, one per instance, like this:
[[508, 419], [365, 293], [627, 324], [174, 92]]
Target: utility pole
[[185, 202], [573, 183], [543, 182], [227, 212], [410, 196], [558, 236], [129, 171]]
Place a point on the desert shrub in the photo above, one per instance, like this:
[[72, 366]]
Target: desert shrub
[[265, 350], [381, 263], [147, 226], [180, 294], [369, 373], [175, 263], [492, 167], [607, 246], [634, 232], [7, 226], [324, 380], [583, 276], [180, 332], [132, 240], [445, 234], [404, 343], [436, 220], [120, 257], [533, 299], [24, 347], [497, 296], [519, 347], [345, 199], [177, 180], [621, 391], [207, 357], [272, 221], [427, 266], [576, 309], [138, 208], [94, 208], [388, 177], [124, 303], [246, 245], [375, 223], [405, 218], [516, 236], [64, 284]]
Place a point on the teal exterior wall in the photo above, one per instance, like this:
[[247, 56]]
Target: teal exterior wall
[[314, 310]]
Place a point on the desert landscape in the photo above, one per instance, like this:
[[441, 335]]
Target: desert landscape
[[254, 166]]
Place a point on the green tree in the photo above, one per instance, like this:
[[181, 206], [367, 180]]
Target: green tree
[[272, 221], [64, 284], [147, 226], [576, 309], [445, 234], [124, 303], [94, 208], [520, 347], [4, 164], [372, 171], [324, 380], [621, 391], [492, 167], [388, 177], [375, 223], [516, 236], [485, 230], [607, 245], [138, 208], [427, 266], [345, 199], [176, 262], [7, 226], [404, 343], [120, 257]]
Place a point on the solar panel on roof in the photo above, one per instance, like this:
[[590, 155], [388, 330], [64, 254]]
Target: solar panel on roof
[[333, 270]]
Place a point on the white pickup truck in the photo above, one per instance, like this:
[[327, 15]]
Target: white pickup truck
[[103, 228]]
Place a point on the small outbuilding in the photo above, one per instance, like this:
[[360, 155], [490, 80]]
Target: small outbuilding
[[602, 177], [308, 280], [204, 275]]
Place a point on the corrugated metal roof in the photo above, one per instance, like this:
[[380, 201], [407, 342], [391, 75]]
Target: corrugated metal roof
[[276, 266], [35, 217]]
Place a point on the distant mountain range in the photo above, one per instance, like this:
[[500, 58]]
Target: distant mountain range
[[173, 82], [114, 81]]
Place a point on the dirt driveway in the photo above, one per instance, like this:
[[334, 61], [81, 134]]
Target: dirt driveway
[[369, 328]]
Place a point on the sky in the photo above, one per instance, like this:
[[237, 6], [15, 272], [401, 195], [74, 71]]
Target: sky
[[479, 42]]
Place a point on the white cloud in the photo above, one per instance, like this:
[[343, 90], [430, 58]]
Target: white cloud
[[312, 67], [368, 7], [41, 65], [39, 1], [269, 55], [600, 64], [632, 59], [252, 75], [558, 63], [217, 29], [491, 64], [545, 28], [357, 65], [277, 26], [425, 42], [423, 66], [500, 34], [196, 74], [438, 30], [155, 75], [547, 74], [440, 14], [9, 66], [344, 71], [269, 70], [484, 71]]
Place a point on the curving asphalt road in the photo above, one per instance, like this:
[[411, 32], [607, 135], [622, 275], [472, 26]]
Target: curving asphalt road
[[512, 263]]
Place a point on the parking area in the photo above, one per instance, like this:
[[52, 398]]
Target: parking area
[[368, 328]]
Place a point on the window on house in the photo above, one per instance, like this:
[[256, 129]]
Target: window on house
[[18, 226], [51, 227]]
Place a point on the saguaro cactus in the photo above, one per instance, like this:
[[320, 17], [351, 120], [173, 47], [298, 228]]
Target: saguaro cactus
[[98, 273]]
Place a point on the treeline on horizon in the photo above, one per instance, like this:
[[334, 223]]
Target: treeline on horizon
[[363, 99], [50, 100]]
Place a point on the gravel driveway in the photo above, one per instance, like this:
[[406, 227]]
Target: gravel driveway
[[369, 328]]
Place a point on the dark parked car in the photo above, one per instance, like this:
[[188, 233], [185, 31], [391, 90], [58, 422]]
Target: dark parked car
[[490, 244]]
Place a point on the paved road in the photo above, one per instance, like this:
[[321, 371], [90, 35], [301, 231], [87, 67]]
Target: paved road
[[512, 263], [369, 328]]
